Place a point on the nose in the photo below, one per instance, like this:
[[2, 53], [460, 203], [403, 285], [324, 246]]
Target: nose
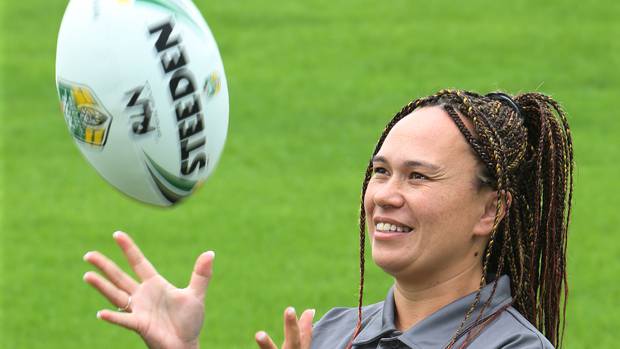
[[388, 194]]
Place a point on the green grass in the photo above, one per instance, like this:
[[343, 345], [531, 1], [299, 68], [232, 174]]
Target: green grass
[[311, 85]]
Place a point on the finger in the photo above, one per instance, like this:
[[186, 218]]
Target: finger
[[264, 341], [139, 264], [292, 337], [111, 271], [107, 289], [126, 320], [305, 327], [203, 269]]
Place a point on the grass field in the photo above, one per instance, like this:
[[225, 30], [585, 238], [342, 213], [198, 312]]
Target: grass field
[[311, 85]]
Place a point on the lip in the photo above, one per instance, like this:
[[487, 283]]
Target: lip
[[377, 235]]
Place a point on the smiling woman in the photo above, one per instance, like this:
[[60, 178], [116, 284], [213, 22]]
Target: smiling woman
[[467, 203]]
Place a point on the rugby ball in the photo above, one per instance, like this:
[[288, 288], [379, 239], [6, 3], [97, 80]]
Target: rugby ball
[[144, 95]]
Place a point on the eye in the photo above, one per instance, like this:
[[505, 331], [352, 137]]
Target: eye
[[417, 176], [379, 171]]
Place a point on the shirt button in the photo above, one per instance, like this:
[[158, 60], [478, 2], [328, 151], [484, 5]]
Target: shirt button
[[395, 345], [391, 344]]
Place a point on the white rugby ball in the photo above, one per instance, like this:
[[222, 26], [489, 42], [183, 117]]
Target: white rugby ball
[[144, 94]]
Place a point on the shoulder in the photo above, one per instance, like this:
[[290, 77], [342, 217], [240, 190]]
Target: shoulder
[[336, 327], [511, 330]]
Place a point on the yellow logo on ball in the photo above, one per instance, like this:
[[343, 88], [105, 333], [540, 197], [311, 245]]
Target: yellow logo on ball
[[86, 118]]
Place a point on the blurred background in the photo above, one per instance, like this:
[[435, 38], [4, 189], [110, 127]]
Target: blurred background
[[312, 84]]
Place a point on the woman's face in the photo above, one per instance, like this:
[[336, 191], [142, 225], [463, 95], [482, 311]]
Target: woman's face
[[426, 216]]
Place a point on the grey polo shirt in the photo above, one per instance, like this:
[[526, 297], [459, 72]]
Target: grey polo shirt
[[509, 330]]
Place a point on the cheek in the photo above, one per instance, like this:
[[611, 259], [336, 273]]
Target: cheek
[[441, 208], [456, 217], [430, 202]]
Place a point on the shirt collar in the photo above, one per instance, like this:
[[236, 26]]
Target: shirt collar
[[436, 330]]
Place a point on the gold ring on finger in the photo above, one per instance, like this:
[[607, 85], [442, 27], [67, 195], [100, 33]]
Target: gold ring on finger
[[127, 306]]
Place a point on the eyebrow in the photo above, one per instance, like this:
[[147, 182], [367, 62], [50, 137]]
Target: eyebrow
[[409, 163]]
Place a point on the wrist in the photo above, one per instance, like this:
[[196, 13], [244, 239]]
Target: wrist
[[193, 345], [188, 345]]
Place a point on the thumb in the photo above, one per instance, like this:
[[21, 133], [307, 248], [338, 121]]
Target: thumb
[[203, 269]]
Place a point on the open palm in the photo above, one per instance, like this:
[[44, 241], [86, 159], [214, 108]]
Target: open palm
[[165, 316]]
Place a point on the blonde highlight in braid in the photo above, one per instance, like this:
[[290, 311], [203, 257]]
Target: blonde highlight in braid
[[525, 148]]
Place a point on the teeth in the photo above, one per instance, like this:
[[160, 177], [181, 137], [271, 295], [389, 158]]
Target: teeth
[[388, 227]]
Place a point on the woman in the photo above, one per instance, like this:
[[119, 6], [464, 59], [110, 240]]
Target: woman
[[467, 202]]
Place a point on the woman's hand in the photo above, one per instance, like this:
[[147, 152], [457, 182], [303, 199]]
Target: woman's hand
[[297, 334], [164, 316]]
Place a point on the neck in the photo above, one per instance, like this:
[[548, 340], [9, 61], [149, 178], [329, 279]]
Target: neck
[[417, 300]]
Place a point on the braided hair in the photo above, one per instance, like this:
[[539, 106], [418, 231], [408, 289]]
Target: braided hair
[[525, 147]]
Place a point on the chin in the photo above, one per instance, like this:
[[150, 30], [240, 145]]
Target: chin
[[390, 262]]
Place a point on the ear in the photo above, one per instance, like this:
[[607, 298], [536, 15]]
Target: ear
[[485, 224]]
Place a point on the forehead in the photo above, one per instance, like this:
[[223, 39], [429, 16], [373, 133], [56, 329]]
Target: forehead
[[426, 134]]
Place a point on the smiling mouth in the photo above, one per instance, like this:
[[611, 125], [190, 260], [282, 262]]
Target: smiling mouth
[[392, 228]]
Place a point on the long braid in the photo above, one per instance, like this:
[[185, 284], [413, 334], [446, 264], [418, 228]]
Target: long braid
[[568, 182], [527, 151], [362, 252]]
